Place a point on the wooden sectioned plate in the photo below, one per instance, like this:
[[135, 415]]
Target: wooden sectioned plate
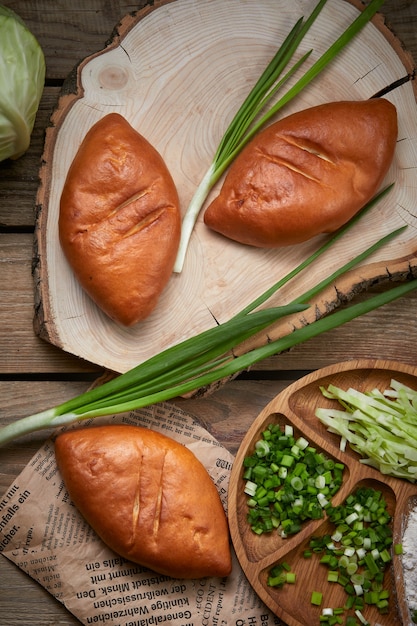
[[178, 70], [296, 405]]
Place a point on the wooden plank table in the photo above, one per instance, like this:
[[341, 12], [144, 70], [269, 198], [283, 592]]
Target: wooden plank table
[[35, 375]]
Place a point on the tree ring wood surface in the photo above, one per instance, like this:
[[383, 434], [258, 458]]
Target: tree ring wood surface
[[178, 71]]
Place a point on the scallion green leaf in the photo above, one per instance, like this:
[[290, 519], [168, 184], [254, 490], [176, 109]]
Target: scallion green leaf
[[245, 123], [205, 358]]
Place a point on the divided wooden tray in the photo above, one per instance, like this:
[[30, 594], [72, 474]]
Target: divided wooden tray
[[296, 405], [178, 71]]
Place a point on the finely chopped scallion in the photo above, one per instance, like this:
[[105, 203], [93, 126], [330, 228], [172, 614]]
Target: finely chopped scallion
[[287, 482], [249, 118], [362, 519]]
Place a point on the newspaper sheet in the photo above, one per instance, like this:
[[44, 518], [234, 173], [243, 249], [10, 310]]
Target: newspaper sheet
[[44, 535]]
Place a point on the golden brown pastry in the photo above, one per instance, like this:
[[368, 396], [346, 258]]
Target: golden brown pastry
[[119, 223], [148, 497], [306, 174]]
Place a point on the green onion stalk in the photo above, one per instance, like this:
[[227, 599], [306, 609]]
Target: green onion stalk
[[212, 355], [250, 118]]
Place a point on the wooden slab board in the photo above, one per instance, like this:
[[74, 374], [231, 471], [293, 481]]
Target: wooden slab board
[[178, 71], [257, 554]]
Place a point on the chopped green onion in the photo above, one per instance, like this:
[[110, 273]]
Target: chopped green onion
[[348, 570], [352, 517], [281, 574], [323, 501], [316, 598], [327, 611], [297, 483], [242, 128], [302, 443], [351, 568], [361, 579], [279, 494], [361, 618], [250, 488], [357, 579], [262, 448]]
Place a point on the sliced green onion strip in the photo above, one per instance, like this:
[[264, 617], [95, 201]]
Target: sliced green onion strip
[[283, 501], [380, 426]]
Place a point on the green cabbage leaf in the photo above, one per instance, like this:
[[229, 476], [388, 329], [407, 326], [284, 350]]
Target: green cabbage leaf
[[22, 79]]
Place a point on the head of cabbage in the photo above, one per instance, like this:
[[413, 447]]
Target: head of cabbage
[[22, 79]]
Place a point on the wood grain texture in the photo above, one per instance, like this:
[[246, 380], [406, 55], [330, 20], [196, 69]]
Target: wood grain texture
[[20, 349], [29, 366], [259, 553], [379, 334], [36, 609], [95, 22], [162, 90], [68, 32], [24, 602]]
